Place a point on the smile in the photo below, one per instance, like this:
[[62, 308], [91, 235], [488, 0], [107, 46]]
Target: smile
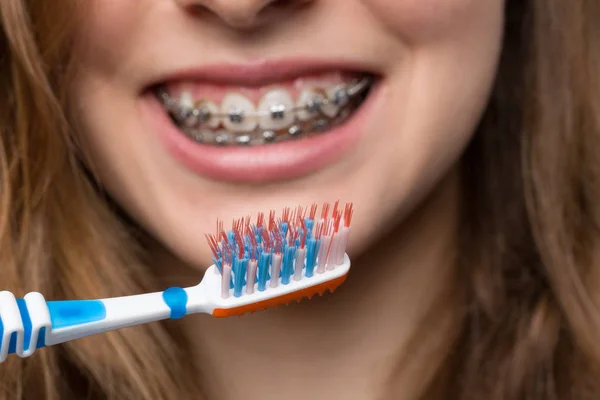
[[303, 107]]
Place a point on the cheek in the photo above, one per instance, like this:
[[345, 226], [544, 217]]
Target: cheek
[[420, 21], [108, 33]]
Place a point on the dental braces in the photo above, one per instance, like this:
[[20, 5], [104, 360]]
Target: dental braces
[[306, 128], [192, 116]]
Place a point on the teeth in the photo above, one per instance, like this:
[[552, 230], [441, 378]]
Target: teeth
[[237, 120], [200, 135], [222, 137], [207, 116], [309, 101], [237, 107], [186, 104], [336, 98], [320, 124], [275, 104], [186, 100], [268, 136]]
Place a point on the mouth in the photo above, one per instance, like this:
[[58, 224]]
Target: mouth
[[261, 123], [219, 115]]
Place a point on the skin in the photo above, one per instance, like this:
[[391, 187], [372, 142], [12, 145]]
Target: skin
[[437, 59]]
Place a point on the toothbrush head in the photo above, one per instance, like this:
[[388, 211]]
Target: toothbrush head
[[277, 261]]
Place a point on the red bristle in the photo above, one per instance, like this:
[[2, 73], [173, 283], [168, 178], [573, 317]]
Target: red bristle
[[303, 225], [278, 244], [260, 219], [240, 243], [325, 211], [313, 211], [300, 212], [248, 231], [285, 215], [271, 218], [348, 214], [212, 243], [336, 220], [266, 240], [224, 237], [274, 229], [250, 234], [293, 218], [335, 208]]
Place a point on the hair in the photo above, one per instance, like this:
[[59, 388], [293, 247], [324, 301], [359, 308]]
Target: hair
[[531, 241]]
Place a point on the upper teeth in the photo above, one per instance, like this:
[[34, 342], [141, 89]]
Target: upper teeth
[[272, 108], [309, 103], [237, 107], [276, 109]]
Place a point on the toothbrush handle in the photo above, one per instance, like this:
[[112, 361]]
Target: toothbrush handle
[[32, 322]]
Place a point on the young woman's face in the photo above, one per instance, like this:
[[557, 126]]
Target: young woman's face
[[233, 71]]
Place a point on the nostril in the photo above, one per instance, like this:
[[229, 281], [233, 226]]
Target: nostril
[[243, 14]]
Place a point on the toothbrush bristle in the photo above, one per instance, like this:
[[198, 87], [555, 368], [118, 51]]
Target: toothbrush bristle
[[348, 215], [273, 253], [313, 211]]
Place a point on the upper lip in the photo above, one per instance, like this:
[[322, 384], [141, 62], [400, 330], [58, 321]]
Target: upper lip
[[261, 72]]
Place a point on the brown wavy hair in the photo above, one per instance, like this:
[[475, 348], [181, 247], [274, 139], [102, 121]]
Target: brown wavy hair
[[529, 262]]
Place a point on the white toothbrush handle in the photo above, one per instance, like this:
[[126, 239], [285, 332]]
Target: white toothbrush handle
[[30, 323]]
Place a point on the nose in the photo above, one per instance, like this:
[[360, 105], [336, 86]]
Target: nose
[[242, 14]]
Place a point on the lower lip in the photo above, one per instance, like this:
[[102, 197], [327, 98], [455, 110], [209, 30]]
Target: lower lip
[[287, 160]]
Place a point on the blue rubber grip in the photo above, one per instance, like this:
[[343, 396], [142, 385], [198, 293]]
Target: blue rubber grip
[[68, 313], [62, 314], [176, 299]]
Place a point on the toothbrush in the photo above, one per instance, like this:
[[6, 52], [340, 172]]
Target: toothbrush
[[256, 266]]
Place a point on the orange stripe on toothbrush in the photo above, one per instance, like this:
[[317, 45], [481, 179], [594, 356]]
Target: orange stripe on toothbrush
[[284, 299]]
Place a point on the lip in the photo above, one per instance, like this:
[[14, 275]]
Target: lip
[[287, 160], [260, 73]]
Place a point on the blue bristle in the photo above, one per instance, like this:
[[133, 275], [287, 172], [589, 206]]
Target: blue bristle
[[244, 271], [310, 223], [231, 237], [219, 265], [239, 272], [283, 228], [287, 264], [263, 270], [312, 249]]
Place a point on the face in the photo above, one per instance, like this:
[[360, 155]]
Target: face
[[370, 102]]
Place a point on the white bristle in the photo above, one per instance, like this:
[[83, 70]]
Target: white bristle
[[252, 264], [275, 270], [300, 257], [225, 282]]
